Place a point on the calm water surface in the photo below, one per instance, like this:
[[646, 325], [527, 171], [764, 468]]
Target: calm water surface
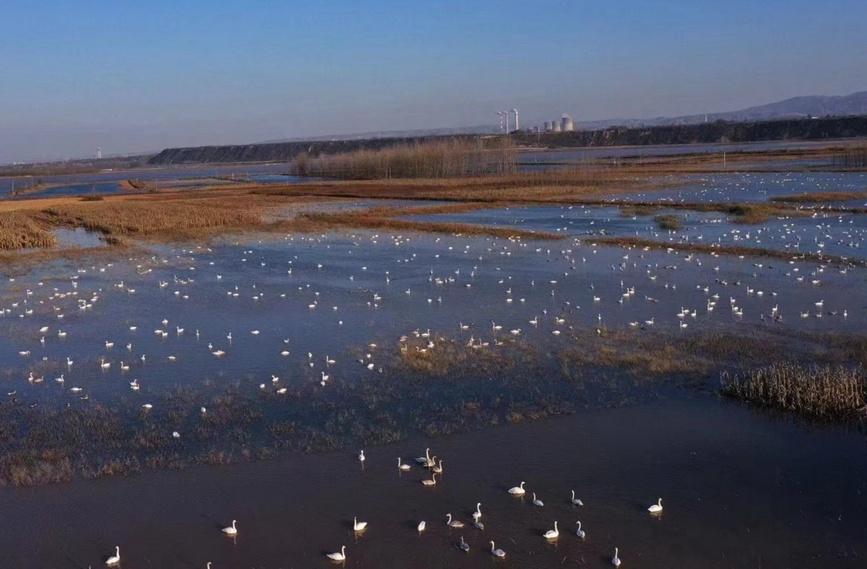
[[739, 490]]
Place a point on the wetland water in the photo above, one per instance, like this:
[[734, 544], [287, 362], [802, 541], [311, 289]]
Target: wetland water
[[231, 345], [739, 490]]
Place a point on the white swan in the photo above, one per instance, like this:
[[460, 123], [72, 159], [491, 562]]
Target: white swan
[[114, 559], [518, 490], [402, 466], [536, 501], [497, 552], [231, 530], [421, 526], [439, 468], [453, 523], [431, 482], [552, 533], [575, 500], [580, 532], [361, 456], [424, 460], [358, 526], [464, 545], [656, 508], [615, 560], [341, 556], [478, 513]]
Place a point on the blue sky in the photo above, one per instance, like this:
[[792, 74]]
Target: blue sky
[[140, 76]]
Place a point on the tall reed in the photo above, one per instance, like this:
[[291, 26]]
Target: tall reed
[[852, 157], [436, 159], [18, 231], [828, 392]]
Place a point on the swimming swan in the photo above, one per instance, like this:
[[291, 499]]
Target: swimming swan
[[338, 556], [575, 500], [231, 530], [552, 533], [114, 559]]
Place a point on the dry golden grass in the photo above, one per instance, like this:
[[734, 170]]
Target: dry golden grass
[[167, 219], [433, 159], [819, 197], [319, 222], [19, 231], [713, 249]]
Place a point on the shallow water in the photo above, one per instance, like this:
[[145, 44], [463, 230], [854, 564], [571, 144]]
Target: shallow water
[[820, 232], [373, 288], [755, 187], [738, 489]]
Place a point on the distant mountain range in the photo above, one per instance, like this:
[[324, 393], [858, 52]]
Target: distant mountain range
[[796, 107]]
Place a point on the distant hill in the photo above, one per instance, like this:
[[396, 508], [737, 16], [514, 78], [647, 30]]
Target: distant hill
[[794, 108]]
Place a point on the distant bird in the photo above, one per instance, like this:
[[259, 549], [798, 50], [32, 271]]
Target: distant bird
[[401, 466], [656, 508], [616, 560], [536, 501], [518, 490], [421, 526], [464, 545], [358, 526], [361, 456], [580, 532]]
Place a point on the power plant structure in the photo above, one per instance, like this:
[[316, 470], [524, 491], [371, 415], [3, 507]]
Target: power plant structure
[[504, 120], [565, 124]]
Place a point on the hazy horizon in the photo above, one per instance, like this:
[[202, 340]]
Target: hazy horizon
[[141, 78]]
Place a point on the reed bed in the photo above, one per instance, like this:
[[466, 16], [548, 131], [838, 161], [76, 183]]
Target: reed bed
[[715, 249], [19, 231], [819, 197], [169, 218], [825, 392], [378, 220], [852, 157], [436, 159], [669, 222]]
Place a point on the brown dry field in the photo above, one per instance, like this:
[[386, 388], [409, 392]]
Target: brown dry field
[[225, 207]]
